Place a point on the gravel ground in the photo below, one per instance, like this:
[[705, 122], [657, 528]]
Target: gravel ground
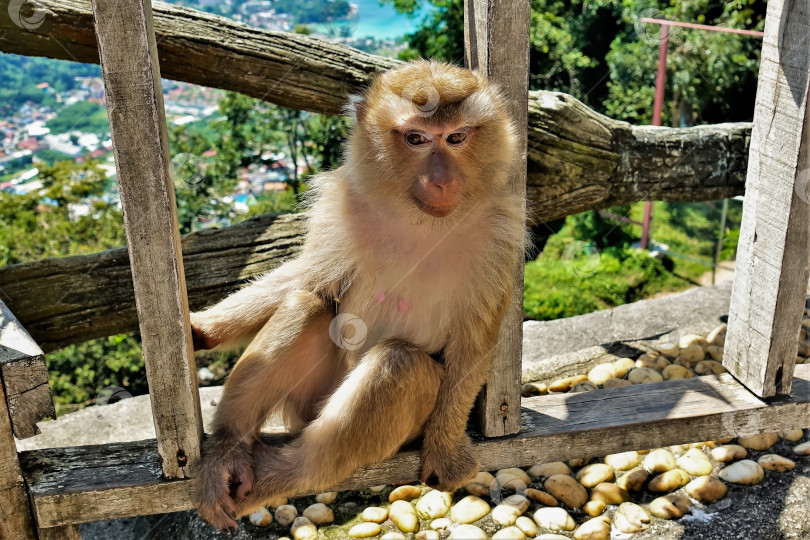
[[776, 509]]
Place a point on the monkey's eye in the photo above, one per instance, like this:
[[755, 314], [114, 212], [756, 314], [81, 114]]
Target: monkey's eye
[[415, 138], [456, 137]]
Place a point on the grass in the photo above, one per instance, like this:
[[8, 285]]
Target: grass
[[589, 264]]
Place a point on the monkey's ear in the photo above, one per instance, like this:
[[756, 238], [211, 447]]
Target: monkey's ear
[[356, 107]]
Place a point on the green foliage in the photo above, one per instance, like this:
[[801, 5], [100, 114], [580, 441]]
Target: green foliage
[[44, 224], [20, 74], [273, 202], [623, 275], [602, 232], [441, 35], [599, 52], [79, 373], [82, 116]]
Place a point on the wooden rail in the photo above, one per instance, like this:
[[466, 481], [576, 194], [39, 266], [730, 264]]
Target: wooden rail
[[80, 484]]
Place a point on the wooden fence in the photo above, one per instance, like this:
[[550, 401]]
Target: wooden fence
[[47, 493]]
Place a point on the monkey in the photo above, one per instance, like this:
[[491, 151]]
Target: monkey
[[381, 331]]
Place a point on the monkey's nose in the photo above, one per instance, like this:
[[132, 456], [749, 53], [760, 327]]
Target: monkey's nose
[[441, 179]]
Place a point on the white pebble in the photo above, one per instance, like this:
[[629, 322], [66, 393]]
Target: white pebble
[[469, 509], [319, 514], [375, 514], [802, 449], [777, 463], [303, 529], [743, 472], [404, 516], [286, 514], [434, 504], [468, 532], [326, 498], [262, 517], [554, 519], [365, 530], [509, 533]]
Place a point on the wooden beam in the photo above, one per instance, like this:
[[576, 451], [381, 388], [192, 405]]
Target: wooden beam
[[496, 43], [16, 520], [773, 254], [24, 377], [79, 484], [129, 63]]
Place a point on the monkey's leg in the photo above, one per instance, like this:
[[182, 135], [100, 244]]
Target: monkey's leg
[[292, 359], [382, 404]]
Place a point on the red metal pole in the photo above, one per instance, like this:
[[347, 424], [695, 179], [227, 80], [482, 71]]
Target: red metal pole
[[658, 105]]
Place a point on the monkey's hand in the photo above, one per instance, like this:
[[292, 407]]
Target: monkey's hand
[[202, 339], [447, 465], [224, 476]]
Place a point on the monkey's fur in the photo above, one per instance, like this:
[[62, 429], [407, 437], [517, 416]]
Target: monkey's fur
[[416, 238]]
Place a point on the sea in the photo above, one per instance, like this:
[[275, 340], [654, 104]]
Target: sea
[[382, 21]]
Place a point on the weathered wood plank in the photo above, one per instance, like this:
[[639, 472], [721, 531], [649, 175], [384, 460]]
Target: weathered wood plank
[[578, 160], [129, 63], [24, 377], [16, 520], [59, 299], [65, 532], [497, 44], [73, 485], [773, 254]]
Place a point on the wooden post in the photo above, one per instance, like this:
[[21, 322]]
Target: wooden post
[[496, 41], [772, 257], [24, 377], [129, 62], [15, 514]]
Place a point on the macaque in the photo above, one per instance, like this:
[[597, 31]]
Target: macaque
[[382, 329]]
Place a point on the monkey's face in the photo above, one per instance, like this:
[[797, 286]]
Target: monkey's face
[[431, 138], [435, 152]]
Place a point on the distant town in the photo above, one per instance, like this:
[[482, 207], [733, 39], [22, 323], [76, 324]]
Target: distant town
[[71, 124]]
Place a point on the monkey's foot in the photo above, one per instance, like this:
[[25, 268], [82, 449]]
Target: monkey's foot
[[447, 467], [225, 476]]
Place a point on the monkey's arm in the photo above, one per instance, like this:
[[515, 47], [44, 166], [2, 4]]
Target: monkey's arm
[[447, 463], [234, 321]]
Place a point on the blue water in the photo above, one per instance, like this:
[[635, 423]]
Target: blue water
[[383, 21]]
